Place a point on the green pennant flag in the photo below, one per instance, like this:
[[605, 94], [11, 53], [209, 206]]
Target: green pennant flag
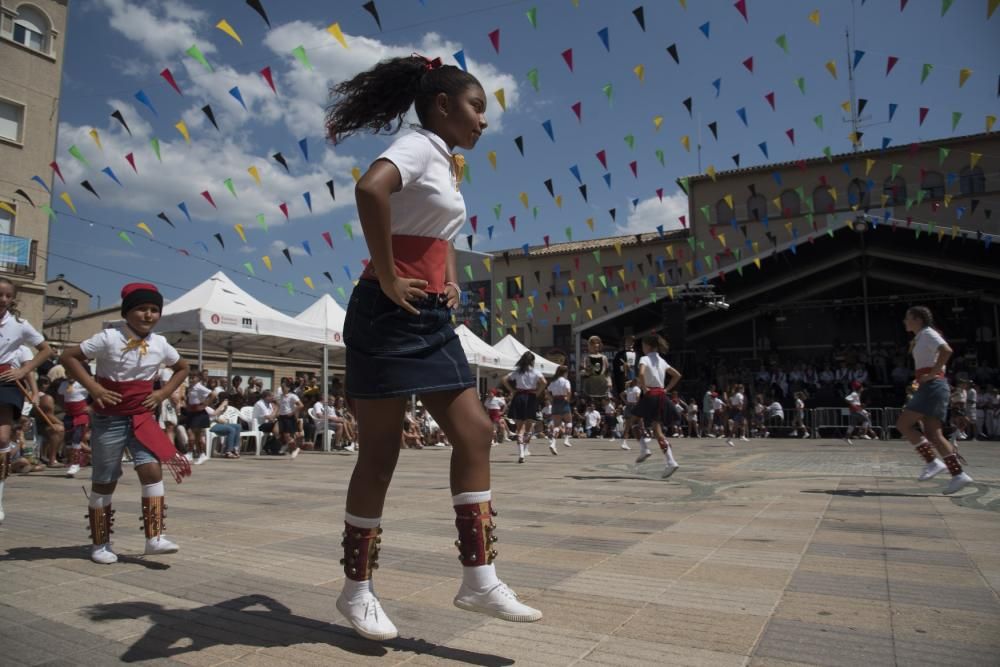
[[608, 92], [261, 222], [533, 78], [249, 267], [652, 297], [895, 170], [533, 17], [801, 83], [497, 209], [930, 230], [909, 203], [342, 293], [291, 290], [926, 72], [349, 230], [945, 6], [809, 205], [828, 153], [604, 281], [75, 152], [705, 212], [659, 156], [683, 182], [955, 117], [782, 41], [739, 270], [819, 121], [630, 140], [810, 218], [48, 209], [691, 242], [156, 147], [800, 191], [597, 256], [572, 318], [467, 173], [701, 244], [920, 196], [229, 186], [300, 54], [942, 154], [534, 212], [195, 53], [125, 237], [569, 233], [829, 232], [468, 271], [708, 261], [614, 290]]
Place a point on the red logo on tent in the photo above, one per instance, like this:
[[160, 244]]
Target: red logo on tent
[[216, 319]]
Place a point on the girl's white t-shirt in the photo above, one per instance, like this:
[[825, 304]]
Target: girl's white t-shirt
[[526, 381], [925, 347], [632, 395], [560, 388], [654, 370]]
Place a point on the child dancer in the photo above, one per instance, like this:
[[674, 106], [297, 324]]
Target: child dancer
[[631, 396], [398, 325], [76, 420], [929, 403], [197, 420], [525, 383], [654, 406], [14, 332], [562, 410], [128, 359]]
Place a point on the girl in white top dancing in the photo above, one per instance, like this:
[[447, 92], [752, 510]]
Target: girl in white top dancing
[[525, 383], [654, 405]]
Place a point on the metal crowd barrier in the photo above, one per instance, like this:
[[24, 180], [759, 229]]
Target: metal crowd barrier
[[836, 422]]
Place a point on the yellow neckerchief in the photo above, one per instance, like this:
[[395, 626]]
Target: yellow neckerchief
[[458, 162], [136, 343]]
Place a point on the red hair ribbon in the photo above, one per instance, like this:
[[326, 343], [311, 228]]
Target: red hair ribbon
[[428, 63]]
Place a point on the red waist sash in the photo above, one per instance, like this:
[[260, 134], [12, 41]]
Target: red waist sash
[[77, 412], [659, 393], [144, 425], [918, 373]]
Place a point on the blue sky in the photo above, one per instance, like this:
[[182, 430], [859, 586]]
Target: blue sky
[[115, 48]]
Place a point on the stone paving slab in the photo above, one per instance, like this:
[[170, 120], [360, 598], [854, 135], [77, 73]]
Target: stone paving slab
[[782, 553]]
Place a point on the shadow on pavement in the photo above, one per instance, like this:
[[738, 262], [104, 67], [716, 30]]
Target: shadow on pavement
[[237, 622], [862, 493], [73, 553]]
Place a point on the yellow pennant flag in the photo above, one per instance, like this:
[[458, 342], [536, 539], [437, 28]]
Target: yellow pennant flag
[[756, 261], [144, 227], [657, 123], [662, 277], [501, 99], [855, 138], [338, 35], [239, 230], [814, 16], [690, 267], [963, 76], [974, 159], [254, 173], [722, 239], [513, 327], [869, 163], [97, 138], [954, 231], [670, 291], [524, 199], [686, 143], [670, 251], [788, 227], [482, 306], [4, 206], [572, 285], [488, 264], [590, 314], [833, 193], [618, 249], [267, 262], [846, 106], [183, 129], [711, 172], [621, 274], [492, 157], [517, 281], [884, 198], [990, 120], [309, 281], [558, 201], [590, 223], [640, 71], [729, 200], [356, 174], [224, 26], [531, 301], [831, 67], [513, 314], [756, 246], [777, 203], [69, 201], [947, 201]]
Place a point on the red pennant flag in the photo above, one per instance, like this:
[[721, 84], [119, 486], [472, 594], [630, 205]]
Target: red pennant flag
[[741, 7], [474, 221], [568, 57], [266, 73], [55, 168], [770, 99], [284, 209], [923, 114], [328, 239], [495, 40], [166, 74], [546, 239], [208, 196], [576, 262], [659, 193], [684, 221], [634, 166], [578, 110], [790, 133], [748, 63], [513, 222], [131, 161], [822, 180], [801, 164], [902, 4], [602, 156], [891, 63]]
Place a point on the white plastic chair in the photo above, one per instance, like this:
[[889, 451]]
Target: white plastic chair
[[246, 414], [229, 416]]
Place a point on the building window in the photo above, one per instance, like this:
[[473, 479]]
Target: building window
[[932, 185], [560, 283], [895, 190], [31, 29], [6, 221], [515, 287], [791, 203], [562, 336], [757, 207], [859, 195], [723, 212], [972, 181], [823, 200], [11, 121]]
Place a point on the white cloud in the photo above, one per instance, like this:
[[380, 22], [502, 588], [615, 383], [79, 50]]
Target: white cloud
[[651, 213], [161, 29], [294, 250]]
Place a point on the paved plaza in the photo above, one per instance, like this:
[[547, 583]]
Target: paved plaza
[[780, 552]]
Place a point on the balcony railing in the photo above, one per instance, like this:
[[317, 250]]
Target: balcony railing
[[18, 255]]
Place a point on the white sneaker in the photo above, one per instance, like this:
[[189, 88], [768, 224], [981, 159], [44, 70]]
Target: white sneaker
[[866, 437], [848, 441], [807, 435], [295, 452], [190, 457], [729, 441], [743, 438], [932, 469], [499, 602], [160, 545], [767, 434], [567, 443], [72, 470], [625, 446], [957, 483], [669, 470], [367, 618], [201, 459], [527, 452], [643, 455], [350, 448], [552, 448], [102, 554]]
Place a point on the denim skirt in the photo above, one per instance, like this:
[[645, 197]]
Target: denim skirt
[[931, 399], [391, 352]]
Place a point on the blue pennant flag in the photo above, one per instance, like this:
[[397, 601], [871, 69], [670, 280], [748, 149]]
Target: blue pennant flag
[[184, 209], [460, 59], [111, 175], [235, 92]]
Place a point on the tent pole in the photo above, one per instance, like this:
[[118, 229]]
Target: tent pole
[[229, 364], [201, 343], [326, 397]]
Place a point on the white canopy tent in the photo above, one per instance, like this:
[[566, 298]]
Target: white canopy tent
[[329, 316], [480, 354], [512, 347]]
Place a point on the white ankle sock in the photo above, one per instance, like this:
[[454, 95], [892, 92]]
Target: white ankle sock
[[98, 500], [520, 449], [480, 577], [357, 591], [669, 453], [362, 522], [153, 490], [469, 497]]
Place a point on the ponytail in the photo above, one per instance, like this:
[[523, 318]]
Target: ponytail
[[379, 98]]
